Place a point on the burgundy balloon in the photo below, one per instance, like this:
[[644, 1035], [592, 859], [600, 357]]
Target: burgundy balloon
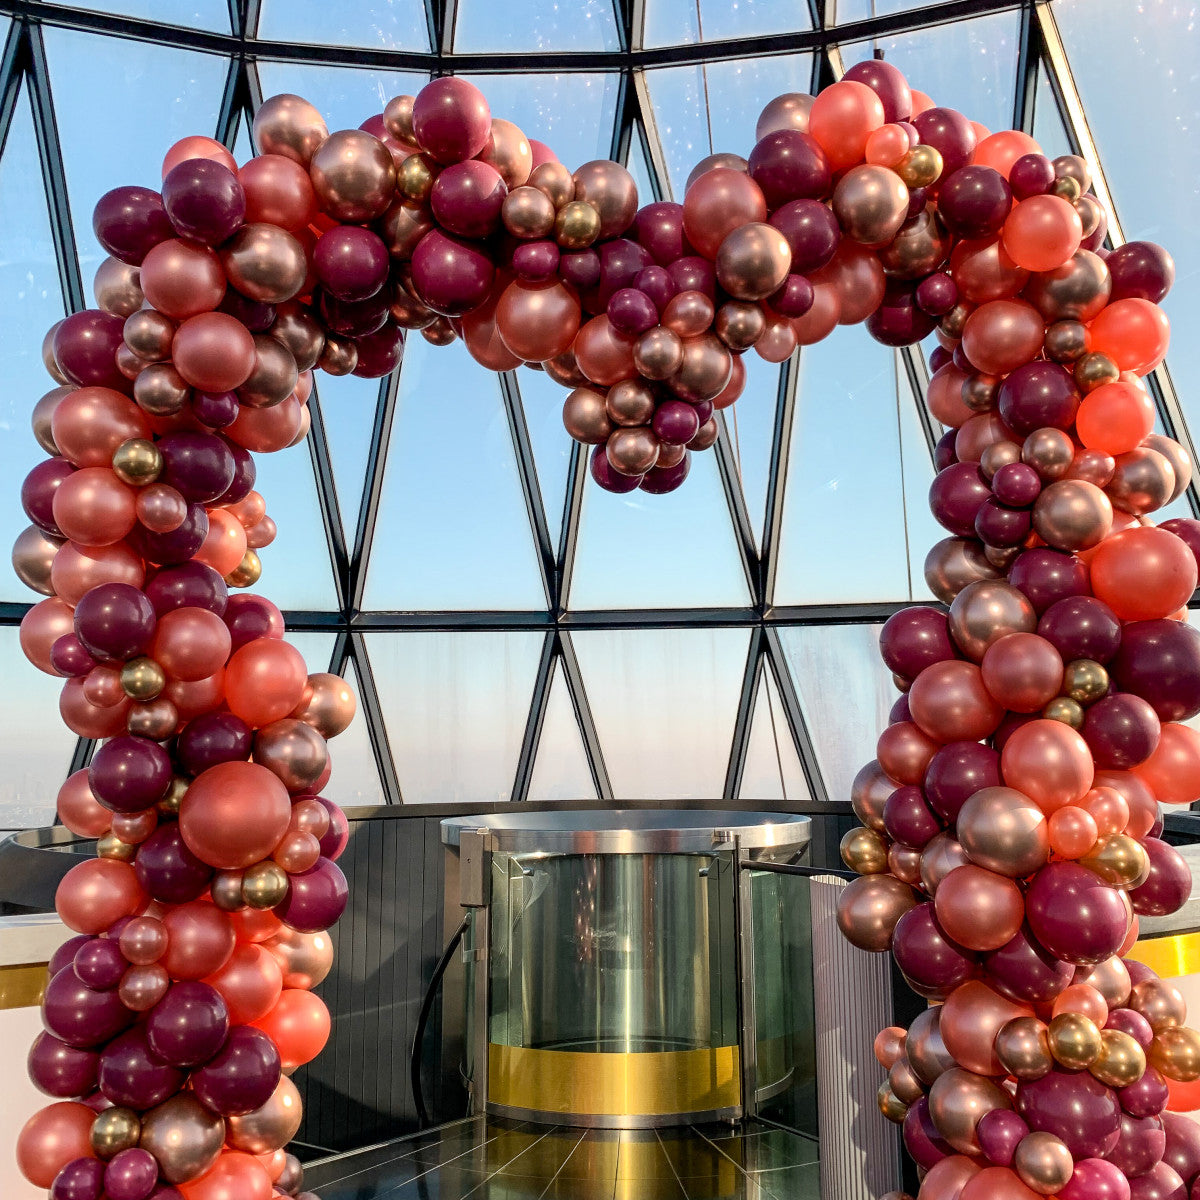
[[115, 621], [1168, 885], [241, 1076], [1143, 1142], [1158, 1183], [1121, 731], [316, 898], [794, 298], [256, 315], [130, 221], [921, 1138], [248, 616], [351, 262], [937, 294], [1141, 270], [606, 477], [1048, 576], [337, 837], [1038, 395], [1075, 1107], [1138, 1028], [694, 274], [212, 738], [1025, 971], [85, 347], [204, 200], [789, 165], [37, 492], [999, 1133], [1031, 175], [659, 228], [998, 525], [956, 772], [188, 585], [908, 818], [131, 1175], [580, 269], [379, 353], [655, 282], [64, 956], [974, 201], [631, 311], [168, 870], [812, 232], [621, 262], [950, 134], [177, 546], [956, 496], [80, 1015], [70, 657], [888, 83], [1183, 1145], [189, 1025], [467, 198], [65, 1072], [128, 774], [100, 964], [932, 962], [537, 260], [944, 453], [133, 1076], [1160, 662], [1075, 915], [198, 465], [451, 276], [676, 422], [1149, 1095], [244, 475], [658, 481], [1081, 627], [1095, 1179], [451, 119], [80, 1179], [216, 410], [1017, 485], [899, 320]]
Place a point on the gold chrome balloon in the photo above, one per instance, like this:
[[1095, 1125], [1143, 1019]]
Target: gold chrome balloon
[[1066, 710], [414, 178], [1023, 1048], [892, 1107], [863, 850], [1094, 370], [264, 885], [137, 462], [247, 573], [577, 225], [920, 167], [173, 798], [1074, 1040], [1122, 1060], [114, 1130], [226, 890], [1121, 861], [111, 846], [1043, 1163], [142, 678], [1067, 188], [1175, 1053], [1085, 681]]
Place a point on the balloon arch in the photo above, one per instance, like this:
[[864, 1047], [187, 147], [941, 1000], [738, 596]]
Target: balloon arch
[[1010, 821]]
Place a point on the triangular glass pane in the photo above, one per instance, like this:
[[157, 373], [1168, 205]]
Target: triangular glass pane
[[671, 22], [1048, 128], [453, 531], [542, 400], [348, 405], [967, 65], [196, 14], [538, 25], [173, 92], [699, 110], [751, 426], [846, 718], [639, 165], [843, 532], [921, 531], [772, 770], [665, 705], [37, 745], [572, 113], [560, 770], [32, 303], [243, 147], [455, 707], [377, 24], [297, 568], [355, 778], [344, 96], [672, 551]]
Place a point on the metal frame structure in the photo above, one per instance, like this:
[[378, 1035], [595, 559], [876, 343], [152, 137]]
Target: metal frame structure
[[23, 63]]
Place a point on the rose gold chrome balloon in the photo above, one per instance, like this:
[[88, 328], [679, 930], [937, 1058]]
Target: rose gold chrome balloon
[[986, 611], [688, 314], [402, 227], [753, 261], [1004, 831], [555, 181], [924, 1046], [706, 435], [630, 402], [958, 1100], [42, 416], [739, 325], [1160, 1003], [117, 288], [1094, 370], [632, 451], [705, 369], [1177, 456], [397, 118], [330, 707], [1092, 466], [1049, 452], [48, 359], [508, 150], [586, 417], [658, 353], [1143, 481], [870, 203], [1076, 291], [33, 556], [141, 988], [955, 562], [1023, 1048], [869, 793], [528, 213], [1176, 1053], [339, 356], [942, 854], [274, 377], [407, 311], [271, 1126], [1043, 1162], [1066, 341], [919, 248], [1071, 514], [293, 751], [290, 126], [869, 908], [789, 111], [184, 1136], [300, 332], [154, 719], [609, 188], [160, 391], [149, 334], [905, 1084], [265, 262]]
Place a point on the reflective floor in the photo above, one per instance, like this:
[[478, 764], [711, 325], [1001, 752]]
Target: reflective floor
[[498, 1160]]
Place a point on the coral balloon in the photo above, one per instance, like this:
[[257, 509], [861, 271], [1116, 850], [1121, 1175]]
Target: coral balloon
[[265, 681], [1143, 574], [53, 1137], [1048, 762], [842, 118], [299, 1025], [234, 814]]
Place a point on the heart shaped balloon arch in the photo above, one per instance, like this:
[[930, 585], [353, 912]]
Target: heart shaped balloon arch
[[1010, 820]]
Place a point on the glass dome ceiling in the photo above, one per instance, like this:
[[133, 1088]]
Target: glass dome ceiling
[[513, 632]]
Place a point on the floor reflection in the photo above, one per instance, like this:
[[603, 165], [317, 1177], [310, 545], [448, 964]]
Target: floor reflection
[[497, 1160]]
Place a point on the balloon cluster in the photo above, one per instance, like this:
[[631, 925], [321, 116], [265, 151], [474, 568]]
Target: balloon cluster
[[1009, 835], [175, 1017]]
